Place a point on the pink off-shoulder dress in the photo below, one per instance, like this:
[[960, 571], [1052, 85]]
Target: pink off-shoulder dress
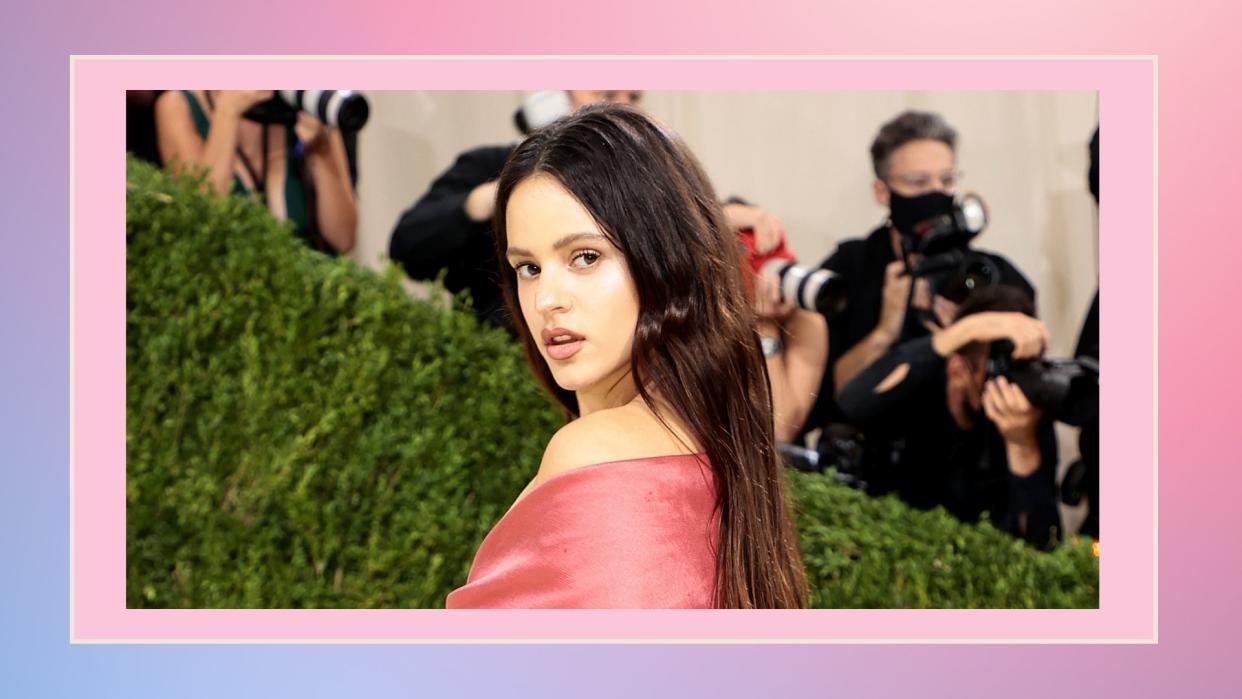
[[639, 533]]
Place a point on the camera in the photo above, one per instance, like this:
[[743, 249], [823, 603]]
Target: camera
[[810, 288], [344, 109], [819, 460], [1066, 390], [951, 268]]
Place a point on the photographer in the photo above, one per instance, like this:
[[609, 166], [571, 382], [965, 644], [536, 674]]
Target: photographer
[[939, 432], [914, 161], [300, 172]]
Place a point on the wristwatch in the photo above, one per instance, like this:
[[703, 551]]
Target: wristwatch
[[772, 346]]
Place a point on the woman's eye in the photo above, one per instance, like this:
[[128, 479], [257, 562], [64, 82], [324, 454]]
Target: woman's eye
[[584, 258], [526, 270]]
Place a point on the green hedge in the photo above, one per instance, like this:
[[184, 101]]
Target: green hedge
[[301, 433], [863, 551]]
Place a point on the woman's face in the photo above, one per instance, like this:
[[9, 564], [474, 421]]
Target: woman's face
[[573, 286]]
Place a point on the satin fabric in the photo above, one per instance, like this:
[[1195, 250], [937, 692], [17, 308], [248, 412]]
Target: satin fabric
[[640, 533]]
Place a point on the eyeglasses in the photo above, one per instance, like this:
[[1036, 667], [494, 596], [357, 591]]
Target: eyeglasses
[[922, 182]]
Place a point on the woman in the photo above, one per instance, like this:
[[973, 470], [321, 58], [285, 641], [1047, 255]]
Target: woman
[[301, 174], [664, 489]]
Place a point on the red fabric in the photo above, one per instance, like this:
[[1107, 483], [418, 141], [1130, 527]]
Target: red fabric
[[630, 534]]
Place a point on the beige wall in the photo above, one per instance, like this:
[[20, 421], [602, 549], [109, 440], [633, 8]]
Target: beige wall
[[803, 155]]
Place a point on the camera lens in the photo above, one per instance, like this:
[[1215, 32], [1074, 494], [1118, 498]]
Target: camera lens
[[810, 289], [343, 109], [973, 272], [977, 275]]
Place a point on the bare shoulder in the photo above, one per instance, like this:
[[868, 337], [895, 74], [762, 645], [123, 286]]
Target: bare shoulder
[[617, 434]]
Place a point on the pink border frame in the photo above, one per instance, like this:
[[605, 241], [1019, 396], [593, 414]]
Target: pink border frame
[[1127, 612]]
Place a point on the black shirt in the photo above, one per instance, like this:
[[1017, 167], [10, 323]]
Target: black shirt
[[928, 460], [435, 234]]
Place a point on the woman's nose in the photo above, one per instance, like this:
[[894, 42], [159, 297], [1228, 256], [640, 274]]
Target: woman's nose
[[552, 296]]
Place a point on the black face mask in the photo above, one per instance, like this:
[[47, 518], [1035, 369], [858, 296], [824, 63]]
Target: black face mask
[[907, 212]]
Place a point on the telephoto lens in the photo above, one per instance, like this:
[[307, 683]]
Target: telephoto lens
[[344, 109], [810, 288]]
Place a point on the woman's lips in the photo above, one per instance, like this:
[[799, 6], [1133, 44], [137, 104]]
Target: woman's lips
[[569, 344], [564, 350]]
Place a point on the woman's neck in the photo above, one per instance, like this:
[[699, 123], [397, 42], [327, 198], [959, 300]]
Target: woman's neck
[[608, 394]]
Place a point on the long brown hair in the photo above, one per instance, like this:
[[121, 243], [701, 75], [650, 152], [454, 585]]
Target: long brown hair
[[695, 344]]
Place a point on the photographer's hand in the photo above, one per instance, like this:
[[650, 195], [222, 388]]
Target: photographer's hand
[[896, 293], [1017, 421], [313, 133], [480, 203], [769, 229], [768, 304]]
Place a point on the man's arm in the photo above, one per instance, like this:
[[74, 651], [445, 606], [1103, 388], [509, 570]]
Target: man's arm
[[888, 383], [433, 233], [886, 331], [1033, 513], [326, 162], [795, 372]]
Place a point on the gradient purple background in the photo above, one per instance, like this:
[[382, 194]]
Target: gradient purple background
[[1199, 121]]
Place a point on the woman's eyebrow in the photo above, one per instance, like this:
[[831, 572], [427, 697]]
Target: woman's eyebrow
[[567, 240]]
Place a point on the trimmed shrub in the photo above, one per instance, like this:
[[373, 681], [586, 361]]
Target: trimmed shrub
[[864, 551], [302, 433]]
